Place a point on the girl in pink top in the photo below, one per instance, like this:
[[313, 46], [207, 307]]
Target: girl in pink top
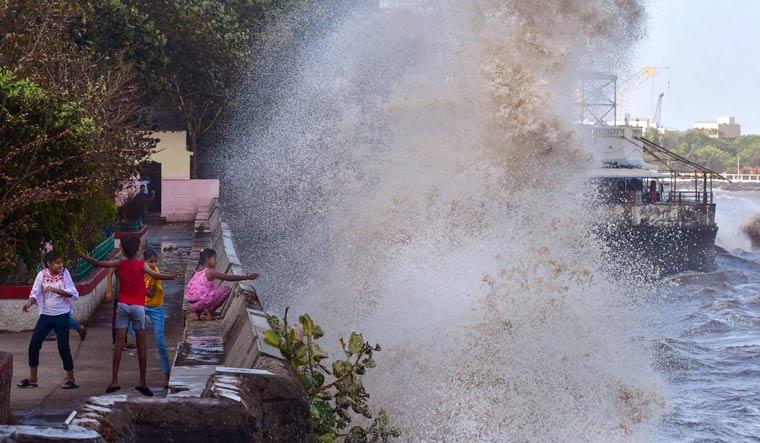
[[202, 293]]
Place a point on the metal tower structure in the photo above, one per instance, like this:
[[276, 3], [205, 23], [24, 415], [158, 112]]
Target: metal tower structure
[[596, 99], [598, 94]]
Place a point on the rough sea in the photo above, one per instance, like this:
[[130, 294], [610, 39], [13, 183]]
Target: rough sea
[[705, 330]]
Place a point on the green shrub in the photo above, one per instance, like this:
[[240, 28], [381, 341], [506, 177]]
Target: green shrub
[[333, 403]]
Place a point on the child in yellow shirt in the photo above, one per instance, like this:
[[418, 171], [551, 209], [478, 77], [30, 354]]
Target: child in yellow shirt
[[154, 310]]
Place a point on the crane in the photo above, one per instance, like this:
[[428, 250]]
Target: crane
[[657, 120], [637, 80]]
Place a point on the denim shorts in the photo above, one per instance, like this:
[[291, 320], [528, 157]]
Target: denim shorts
[[126, 313]]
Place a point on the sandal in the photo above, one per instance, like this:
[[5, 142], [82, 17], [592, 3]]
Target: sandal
[[70, 385], [144, 390], [112, 389], [25, 383]]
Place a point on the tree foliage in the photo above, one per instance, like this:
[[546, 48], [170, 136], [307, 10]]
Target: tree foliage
[[332, 401], [189, 54], [69, 125], [717, 154], [82, 82]]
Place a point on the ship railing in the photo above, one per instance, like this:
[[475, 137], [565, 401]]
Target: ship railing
[[674, 198], [690, 197]]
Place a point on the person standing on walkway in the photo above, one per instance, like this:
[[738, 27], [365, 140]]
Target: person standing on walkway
[[54, 291], [154, 310], [202, 294], [112, 295], [73, 324], [131, 307]]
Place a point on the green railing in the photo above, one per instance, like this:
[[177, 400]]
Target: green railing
[[130, 226], [99, 253]]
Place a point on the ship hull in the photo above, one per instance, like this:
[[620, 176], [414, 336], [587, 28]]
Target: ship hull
[[666, 250]]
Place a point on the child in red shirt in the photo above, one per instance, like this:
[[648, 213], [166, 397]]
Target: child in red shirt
[[131, 306]]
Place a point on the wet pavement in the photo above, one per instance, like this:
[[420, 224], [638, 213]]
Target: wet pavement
[[49, 404]]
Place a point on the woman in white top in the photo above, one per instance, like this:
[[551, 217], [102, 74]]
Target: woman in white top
[[54, 291]]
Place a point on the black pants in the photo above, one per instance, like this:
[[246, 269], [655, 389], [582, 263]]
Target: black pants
[[46, 323]]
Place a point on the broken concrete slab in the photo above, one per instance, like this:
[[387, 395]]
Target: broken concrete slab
[[41, 434], [190, 381]]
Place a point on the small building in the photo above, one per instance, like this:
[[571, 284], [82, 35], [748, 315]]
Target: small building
[[725, 128], [172, 153], [178, 198]]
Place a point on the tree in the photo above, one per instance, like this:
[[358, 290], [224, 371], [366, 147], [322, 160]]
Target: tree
[[712, 157], [69, 125], [692, 144], [188, 55], [119, 29]]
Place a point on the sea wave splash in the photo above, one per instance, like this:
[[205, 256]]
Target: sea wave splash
[[418, 180]]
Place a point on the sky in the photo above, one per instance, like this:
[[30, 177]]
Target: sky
[[713, 50]]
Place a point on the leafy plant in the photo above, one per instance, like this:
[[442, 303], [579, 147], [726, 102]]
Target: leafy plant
[[332, 402]]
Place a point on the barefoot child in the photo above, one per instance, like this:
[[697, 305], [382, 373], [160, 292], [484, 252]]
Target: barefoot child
[[154, 309], [131, 306], [202, 294], [54, 292]]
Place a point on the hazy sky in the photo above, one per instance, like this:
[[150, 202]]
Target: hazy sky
[[713, 50]]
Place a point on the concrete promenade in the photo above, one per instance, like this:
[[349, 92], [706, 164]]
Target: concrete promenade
[[49, 404]]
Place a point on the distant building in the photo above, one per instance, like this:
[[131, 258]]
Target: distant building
[[724, 128], [640, 122]]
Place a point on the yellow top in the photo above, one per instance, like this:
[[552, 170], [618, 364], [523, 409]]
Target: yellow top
[[153, 285]]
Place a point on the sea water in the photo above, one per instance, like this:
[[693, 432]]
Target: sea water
[[704, 329]]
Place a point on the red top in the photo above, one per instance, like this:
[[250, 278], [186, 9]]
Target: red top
[[131, 282]]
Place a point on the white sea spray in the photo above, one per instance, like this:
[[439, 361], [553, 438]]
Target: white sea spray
[[418, 179]]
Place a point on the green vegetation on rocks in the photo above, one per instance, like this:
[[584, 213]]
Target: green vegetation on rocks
[[335, 393]]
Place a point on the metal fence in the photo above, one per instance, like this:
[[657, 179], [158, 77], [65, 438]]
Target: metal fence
[[130, 226], [99, 253]]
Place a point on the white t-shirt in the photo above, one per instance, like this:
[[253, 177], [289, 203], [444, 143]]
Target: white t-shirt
[[51, 303]]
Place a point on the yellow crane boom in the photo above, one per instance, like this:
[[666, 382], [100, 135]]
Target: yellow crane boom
[[637, 80]]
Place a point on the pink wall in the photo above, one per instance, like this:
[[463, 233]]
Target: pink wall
[[182, 198]]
